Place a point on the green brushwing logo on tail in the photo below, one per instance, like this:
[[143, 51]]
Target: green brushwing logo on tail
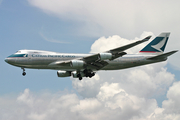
[[157, 45]]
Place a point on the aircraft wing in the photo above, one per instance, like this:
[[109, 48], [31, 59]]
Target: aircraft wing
[[99, 60], [94, 60], [118, 50], [60, 63], [92, 63]]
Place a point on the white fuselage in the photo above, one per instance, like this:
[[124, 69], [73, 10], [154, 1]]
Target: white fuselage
[[36, 59]]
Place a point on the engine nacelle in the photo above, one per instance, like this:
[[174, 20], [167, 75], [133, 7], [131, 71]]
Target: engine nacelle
[[75, 74], [105, 56], [77, 63], [63, 73]]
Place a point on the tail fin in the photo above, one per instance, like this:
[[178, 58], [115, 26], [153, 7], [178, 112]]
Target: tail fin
[[157, 45]]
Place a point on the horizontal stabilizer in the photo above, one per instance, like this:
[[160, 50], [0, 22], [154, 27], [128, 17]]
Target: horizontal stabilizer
[[163, 56]]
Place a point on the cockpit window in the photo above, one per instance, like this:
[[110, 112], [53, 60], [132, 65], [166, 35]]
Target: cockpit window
[[18, 52]]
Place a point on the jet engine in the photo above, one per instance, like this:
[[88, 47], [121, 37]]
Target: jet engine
[[105, 56], [77, 63], [63, 73]]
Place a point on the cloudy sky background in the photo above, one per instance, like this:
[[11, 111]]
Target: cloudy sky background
[[77, 26]]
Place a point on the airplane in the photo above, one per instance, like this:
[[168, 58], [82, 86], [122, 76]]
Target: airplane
[[86, 65]]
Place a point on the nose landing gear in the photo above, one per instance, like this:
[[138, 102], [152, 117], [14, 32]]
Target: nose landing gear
[[24, 73]]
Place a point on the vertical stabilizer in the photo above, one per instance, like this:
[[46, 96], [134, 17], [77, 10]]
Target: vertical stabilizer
[[157, 45]]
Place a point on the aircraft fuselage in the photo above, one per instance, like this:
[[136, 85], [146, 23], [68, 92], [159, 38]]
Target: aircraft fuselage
[[42, 60]]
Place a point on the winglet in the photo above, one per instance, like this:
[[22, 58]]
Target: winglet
[[147, 38]]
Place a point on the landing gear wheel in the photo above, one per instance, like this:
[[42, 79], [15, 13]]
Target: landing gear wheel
[[93, 74], [89, 73], [24, 73], [90, 76], [80, 78]]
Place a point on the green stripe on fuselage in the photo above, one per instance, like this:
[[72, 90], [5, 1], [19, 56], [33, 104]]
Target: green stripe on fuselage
[[18, 55]]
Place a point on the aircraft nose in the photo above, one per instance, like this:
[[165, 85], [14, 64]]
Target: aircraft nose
[[6, 60]]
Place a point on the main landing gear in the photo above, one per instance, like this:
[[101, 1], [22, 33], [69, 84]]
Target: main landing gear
[[88, 73], [24, 73], [85, 73], [79, 76]]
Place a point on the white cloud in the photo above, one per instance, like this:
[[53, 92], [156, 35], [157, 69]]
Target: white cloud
[[112, 102], [127, 18], [104, 44], [69, 106], [129, 91], [26, 97], [123, 94], [172, 105], [146, 81], [108, 91], [116, 16]]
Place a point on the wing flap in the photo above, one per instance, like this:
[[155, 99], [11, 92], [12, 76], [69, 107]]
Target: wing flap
[[60, 63], [91, 58], [118, 54], [98, 65]]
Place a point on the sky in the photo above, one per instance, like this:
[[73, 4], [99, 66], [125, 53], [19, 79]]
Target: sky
[[76, 26]]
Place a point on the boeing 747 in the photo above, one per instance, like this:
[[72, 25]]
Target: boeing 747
[[86, 65]]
